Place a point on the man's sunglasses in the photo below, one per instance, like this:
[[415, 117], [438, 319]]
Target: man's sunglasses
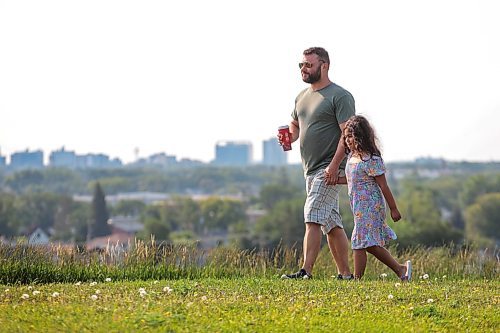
[[307, 64]]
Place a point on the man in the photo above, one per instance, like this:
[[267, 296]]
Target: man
[[318, 121]]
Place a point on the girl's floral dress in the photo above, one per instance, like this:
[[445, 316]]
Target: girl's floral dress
[[367, 202]]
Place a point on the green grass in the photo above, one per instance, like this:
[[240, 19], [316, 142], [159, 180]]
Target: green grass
[[435, 304], [455, 289], [152, 261]]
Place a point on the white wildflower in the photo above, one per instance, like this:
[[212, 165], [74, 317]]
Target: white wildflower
[[93, 297], [430, 300], [383, 275], [390, 296], [25, 296], [167, 289], [425, 276], [93, 283], [444, 276], [7, 290], [55, 294], [142, 292], [35, 292], [108, 279], [397, 284], [98, 291], [204, 298], [30, 287], [78, 283]]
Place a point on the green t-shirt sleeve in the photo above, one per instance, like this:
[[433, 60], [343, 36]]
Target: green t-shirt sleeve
[[344, 107], [294, 114]]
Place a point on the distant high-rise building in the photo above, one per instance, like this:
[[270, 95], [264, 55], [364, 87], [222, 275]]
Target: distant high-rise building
[[65, 158], [162, 159], [81, 161], [232, 153], [273, 153], [101, 161], [27, 160], [62, 158], [3, 161]]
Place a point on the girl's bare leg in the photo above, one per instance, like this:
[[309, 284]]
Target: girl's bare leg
[[359, 263], [382, 254]]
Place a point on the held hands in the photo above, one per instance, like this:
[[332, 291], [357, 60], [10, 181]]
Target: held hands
[[395, 215], [331, 175]]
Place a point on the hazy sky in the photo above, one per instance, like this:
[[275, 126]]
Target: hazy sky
[[178, 76]]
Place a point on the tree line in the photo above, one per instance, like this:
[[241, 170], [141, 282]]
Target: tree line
[[449, 209]]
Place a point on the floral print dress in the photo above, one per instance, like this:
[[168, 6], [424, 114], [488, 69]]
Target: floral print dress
[[367, 202]]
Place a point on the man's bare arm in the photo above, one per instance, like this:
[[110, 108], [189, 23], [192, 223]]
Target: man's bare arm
[[332, 170], [294, 130]]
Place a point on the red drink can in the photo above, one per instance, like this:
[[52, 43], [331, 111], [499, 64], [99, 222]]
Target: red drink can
[[286, 137]]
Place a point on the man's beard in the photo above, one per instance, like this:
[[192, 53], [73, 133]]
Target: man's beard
[[313, 77]]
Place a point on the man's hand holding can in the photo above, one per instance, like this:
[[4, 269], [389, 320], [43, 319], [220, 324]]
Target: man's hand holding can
[[284, 137]]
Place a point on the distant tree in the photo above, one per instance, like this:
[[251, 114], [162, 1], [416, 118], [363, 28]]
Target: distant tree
[[115, 184], [482, 220], [63, 229], [8, 217], [25, 180], [446, 191], [272, 193], [284, 223], [37, 209], [189, 214], [62, 181], [155, 223], [421, 222], [220, 213], [81, 214], [99, 224], [478, 185], [129, 208]]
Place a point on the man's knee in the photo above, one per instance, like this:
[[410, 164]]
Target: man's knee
[[336, 231], [312, 225]]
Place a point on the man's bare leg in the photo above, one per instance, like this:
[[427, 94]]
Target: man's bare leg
[[339, 248], [312, 244]]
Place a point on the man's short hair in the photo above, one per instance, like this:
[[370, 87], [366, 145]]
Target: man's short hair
[[320, 52]]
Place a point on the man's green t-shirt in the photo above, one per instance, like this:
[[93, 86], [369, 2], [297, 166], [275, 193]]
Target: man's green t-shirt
[[319, 114]]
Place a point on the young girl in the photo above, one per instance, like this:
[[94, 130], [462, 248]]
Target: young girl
[[367, 188]]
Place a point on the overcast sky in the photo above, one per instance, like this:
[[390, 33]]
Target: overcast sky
[[179, 76]]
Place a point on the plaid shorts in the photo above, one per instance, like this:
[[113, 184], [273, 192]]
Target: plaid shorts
[[322, 202]]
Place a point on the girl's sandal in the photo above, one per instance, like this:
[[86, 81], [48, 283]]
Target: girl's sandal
[[407, 276]]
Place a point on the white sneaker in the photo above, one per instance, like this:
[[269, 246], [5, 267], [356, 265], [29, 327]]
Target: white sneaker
[[407, 276]]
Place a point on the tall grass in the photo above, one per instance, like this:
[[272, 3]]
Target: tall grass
[[26, 264]]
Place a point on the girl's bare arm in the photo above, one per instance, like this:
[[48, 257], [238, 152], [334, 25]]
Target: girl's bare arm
[[386, 191]]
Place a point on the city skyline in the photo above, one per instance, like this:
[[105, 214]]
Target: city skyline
[[226, 153], [126, 77]]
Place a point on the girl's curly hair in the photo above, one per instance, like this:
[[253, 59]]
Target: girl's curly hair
[[365, 139]]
